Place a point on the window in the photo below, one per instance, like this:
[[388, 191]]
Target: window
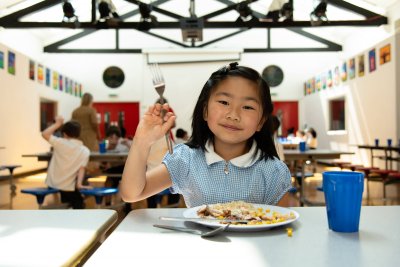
[[337, 115]]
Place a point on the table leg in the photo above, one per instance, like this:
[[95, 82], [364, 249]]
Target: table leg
[[13, 187], [372, 157], [302, 198]]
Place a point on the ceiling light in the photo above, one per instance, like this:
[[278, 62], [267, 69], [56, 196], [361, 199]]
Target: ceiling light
[[245, 12], [275, 10], [69, 12], [146, 20], [106, 7], [318, 15], [287, 12]]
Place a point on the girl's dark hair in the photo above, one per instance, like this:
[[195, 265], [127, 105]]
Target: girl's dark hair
[[71, 129], [201, 133]]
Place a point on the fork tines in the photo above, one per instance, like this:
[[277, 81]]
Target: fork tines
[[158, 78]]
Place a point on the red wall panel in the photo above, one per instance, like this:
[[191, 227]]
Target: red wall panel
[[288, 112], [131, 115]]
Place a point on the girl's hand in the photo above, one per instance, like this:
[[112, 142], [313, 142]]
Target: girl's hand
[[152, 126]]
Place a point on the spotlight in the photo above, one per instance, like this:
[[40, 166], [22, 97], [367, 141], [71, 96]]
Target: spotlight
[[104, 10], [275, 10], [106, 7], [69, 12], [319, 14], [147, 20], [245, 12], [287, 12]]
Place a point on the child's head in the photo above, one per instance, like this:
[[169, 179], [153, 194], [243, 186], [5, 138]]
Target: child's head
[[113, 134], [180, 133], [202, 132], [71, 129], [87, 99]]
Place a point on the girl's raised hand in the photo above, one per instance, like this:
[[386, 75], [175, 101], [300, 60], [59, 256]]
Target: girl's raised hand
[[152, 126]]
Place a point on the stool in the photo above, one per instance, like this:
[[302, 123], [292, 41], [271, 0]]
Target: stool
[[293, 190], [99, 193], [367, 171], [13, 187], [298, 175], [393, 177], [380, 176], [341, 164], [40, 193], [352, 167]]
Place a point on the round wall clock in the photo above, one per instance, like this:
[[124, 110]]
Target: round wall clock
[[273, 75], [113, 77]]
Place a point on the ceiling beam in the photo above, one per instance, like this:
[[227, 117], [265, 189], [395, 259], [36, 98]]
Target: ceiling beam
[[377, 21]]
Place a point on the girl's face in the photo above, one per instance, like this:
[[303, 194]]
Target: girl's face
[[234, 111]]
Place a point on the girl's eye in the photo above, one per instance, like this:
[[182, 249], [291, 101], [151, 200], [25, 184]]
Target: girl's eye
[[248, 107], [223, 102]]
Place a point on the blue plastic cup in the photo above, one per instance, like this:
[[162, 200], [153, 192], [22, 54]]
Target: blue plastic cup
[[302, 146], [102, 147], [376, 142], [389, 142], [343, 196]]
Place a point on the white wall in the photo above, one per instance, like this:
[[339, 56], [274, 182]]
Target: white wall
[[20, 113], [371, 107]]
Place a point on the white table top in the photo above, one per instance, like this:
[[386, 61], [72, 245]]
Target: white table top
[[136, 241], [50, 237]]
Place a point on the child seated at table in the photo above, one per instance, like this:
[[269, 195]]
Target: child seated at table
[[66, 169], [230, 156]]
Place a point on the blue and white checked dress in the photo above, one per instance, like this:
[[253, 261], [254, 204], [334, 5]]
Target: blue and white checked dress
[[202, 179]]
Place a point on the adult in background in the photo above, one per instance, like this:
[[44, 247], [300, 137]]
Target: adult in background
[[86, 116]]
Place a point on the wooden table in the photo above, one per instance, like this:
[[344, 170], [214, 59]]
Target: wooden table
[[311, 155], [51, 237], [136, 242]]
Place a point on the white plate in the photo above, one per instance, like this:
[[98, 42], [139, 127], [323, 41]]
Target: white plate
[[192, 213]]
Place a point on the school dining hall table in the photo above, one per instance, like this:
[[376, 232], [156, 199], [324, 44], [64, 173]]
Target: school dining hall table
[[387, 157], [136, 242], [312, 155], [94, 156], [51, 237]]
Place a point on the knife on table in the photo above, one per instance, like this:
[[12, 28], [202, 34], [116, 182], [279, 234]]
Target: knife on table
[[184, 219]]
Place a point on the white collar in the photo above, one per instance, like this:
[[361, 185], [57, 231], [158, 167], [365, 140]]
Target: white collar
[[244, 160]]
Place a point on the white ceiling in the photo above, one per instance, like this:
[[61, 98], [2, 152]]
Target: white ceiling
[[302, 10]]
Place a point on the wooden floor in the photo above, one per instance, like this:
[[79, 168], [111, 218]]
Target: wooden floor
[[24, 201]]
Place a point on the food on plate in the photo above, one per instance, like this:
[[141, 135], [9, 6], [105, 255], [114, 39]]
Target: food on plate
[[240, 210]]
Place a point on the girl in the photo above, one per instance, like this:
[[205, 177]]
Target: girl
[[230, 155]]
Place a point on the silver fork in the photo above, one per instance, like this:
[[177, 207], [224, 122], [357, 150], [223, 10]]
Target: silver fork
[[159, 85], [210, 233]]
